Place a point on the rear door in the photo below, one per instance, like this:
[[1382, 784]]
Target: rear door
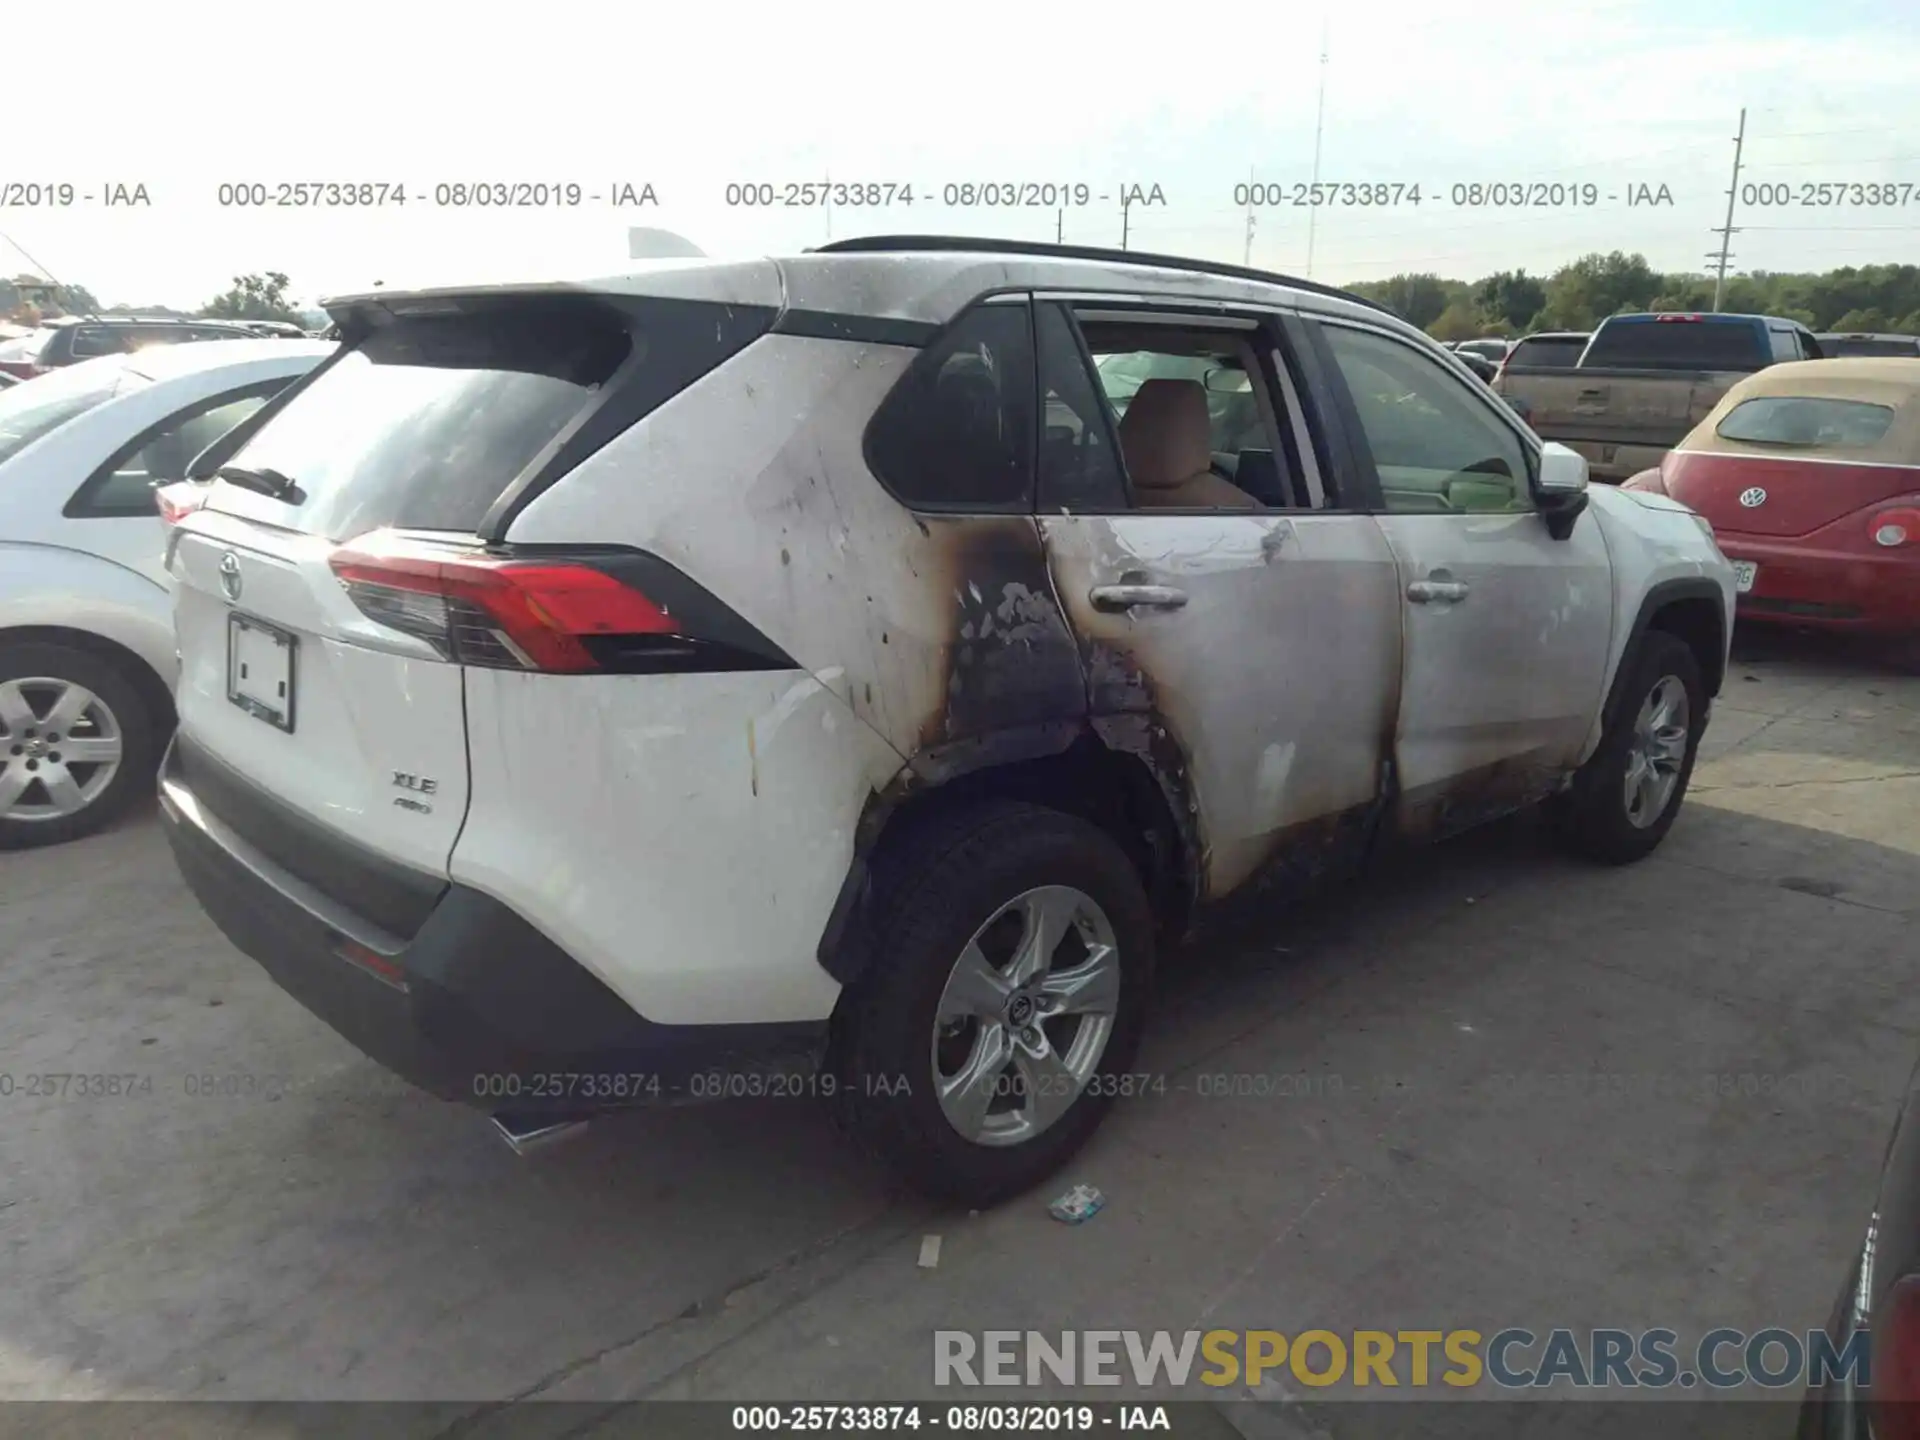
[[1249, 627], [420, 427]]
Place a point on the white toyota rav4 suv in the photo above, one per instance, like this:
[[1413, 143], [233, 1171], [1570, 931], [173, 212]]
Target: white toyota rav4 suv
[[844, 673]]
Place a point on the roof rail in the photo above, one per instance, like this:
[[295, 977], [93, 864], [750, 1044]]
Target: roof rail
[[870, 244]]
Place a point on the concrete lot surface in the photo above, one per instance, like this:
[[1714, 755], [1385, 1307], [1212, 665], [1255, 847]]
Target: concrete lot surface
[[1484, 1102]]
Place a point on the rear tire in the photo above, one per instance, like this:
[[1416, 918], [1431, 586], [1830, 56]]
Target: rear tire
[[59, 704], [982, 882], [1625, 798]]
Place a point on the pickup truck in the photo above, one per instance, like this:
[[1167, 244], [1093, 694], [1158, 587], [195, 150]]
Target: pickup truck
[[1644, 381]]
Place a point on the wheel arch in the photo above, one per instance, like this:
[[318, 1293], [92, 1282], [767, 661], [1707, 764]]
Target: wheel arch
[[1068, 767], [1692, 608], [153, 690]]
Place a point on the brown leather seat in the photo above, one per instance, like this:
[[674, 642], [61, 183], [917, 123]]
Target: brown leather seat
[[1167, 442]]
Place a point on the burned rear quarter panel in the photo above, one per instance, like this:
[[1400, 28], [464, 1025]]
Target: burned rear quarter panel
[[934, 630]]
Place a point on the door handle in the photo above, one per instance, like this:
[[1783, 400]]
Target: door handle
[[1127, 597], [1427, 592]]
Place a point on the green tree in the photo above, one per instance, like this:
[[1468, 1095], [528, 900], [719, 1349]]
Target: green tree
[[254, 297], [1512, 296], [1459, 321], [1418, 299], [1869, 320], [1596, 286]]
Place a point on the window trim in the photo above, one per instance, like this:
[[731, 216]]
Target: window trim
[[1362, 447], [80, 505], [1265, 330], [1091, 372], [923, 361]]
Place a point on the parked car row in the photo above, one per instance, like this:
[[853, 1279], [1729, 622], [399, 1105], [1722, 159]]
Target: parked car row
[[71, 339]]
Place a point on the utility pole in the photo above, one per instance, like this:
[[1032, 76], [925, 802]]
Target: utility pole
[[1319, 129], [828, 197], [1126, 206], [1246, 254], [1726, 230], [1059, 227]]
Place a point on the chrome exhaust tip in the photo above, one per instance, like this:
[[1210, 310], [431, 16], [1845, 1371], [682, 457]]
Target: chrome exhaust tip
[[527, 1133]]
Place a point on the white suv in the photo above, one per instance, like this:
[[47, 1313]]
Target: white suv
[[798, 676]]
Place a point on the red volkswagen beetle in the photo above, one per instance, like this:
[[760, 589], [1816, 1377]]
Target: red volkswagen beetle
[[1809, 473]]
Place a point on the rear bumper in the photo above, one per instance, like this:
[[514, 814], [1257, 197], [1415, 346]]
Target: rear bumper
[[1802, 584], [477, 1006]]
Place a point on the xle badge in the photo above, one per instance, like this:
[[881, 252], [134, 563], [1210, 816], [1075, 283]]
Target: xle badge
[[419, 785]]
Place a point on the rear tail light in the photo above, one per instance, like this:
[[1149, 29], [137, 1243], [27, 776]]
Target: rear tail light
[[1896, 1364], [22, 369], [502, 612], [179, 500], [1896, 527]]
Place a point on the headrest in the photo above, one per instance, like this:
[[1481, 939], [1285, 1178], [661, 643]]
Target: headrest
[[1166, 437]]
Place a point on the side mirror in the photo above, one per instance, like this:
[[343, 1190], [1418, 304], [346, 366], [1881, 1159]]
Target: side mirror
[[1561, 488]]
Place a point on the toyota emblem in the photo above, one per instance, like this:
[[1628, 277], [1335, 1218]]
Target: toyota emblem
[[230, 575], [1752, 497]]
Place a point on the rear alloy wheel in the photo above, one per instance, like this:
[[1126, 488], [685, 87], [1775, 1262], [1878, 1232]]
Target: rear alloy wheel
[[76, 744], [1624, 799], [1012, 954]]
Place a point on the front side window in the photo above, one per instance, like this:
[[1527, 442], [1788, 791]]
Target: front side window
[[1806, 422], [1437, 447], [956, 433]]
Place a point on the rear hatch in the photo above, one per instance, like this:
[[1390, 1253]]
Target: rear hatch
[[321, 642]]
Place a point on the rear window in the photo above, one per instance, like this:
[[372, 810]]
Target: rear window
[[1806, 422], [1680, 345], [34, 411], [424, 424], [1548, 354], [1831, 345]]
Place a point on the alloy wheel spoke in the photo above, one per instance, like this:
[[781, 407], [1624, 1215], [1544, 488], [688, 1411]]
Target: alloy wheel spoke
[[1051, 1088], [1048, 913], [68, 707], [90, 750], [1089, 988], [63, 790], [14, 780], [16, 714], [975, 989], [967, 1094]]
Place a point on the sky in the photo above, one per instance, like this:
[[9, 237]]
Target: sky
[[1194, 100]]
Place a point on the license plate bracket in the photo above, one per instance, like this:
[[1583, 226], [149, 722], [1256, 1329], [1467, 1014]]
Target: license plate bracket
[[260, 669], [1745, 572]]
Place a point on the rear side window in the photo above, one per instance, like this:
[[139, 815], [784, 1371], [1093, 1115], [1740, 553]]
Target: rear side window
[[957, 432], [427, 422], [1806, 421], [1785, 346], [1680, 344], [32, 411], [90, 341], [1547, 354]]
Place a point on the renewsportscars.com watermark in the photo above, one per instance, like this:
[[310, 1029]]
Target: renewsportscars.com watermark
[[1371, 1360]]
